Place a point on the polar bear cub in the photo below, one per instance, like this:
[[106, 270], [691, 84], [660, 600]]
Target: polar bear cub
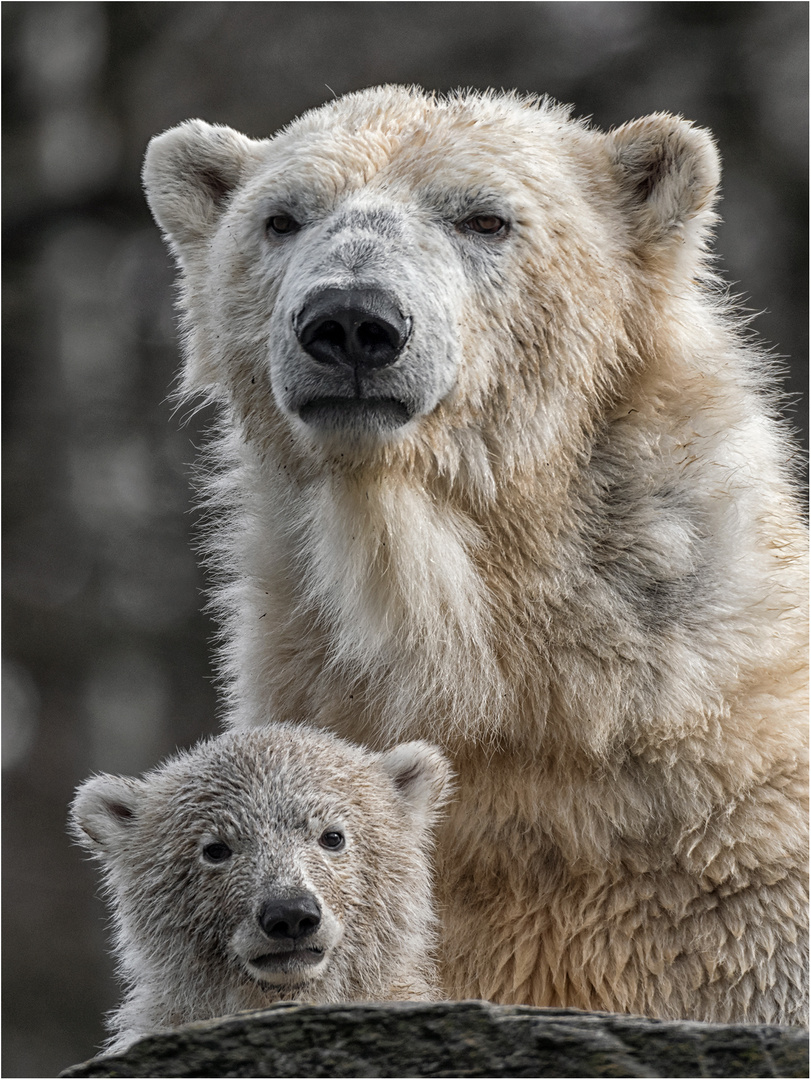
[[277, 864]]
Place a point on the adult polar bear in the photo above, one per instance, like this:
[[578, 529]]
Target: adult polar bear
[[497, 470]]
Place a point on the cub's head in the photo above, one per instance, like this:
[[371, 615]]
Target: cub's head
[[281, 862], [397, 269]]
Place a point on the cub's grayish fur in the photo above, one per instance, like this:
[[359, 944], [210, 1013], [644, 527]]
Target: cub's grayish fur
[[276, 864]]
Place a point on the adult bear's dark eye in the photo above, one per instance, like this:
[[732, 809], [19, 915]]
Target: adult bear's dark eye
[[332, 839], [217, 852], [485, 225], [282, 224]]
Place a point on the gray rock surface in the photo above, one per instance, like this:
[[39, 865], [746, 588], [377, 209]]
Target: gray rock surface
[[469, 1038]]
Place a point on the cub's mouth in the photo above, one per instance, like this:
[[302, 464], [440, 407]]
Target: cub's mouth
[[354, 414], [275, 960], [290, 966]]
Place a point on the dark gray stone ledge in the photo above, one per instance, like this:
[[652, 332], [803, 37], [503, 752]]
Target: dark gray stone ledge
[[467, 1038]]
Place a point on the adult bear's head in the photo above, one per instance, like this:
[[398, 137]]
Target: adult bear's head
[[469, 277]]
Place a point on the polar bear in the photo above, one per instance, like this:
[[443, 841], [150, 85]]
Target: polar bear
[[499, 467], [275, 864]]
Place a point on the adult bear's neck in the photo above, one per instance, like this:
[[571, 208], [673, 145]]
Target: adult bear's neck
[[388, 603]]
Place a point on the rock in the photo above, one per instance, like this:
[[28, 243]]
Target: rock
[[467, 1038]]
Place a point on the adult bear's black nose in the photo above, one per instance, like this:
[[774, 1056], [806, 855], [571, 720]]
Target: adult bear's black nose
[[290, 917], [359, 328]]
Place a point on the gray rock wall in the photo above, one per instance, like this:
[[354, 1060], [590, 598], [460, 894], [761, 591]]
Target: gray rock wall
[[468, 1038]]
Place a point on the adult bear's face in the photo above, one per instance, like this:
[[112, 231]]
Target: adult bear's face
[[399, 270], [360, 275], [370, 269], [365, 335]]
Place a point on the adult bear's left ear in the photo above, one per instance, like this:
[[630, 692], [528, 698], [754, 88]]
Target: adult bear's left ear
[[669, 172], [189, 173]]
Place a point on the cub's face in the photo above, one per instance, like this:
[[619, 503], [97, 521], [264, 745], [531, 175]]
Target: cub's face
[[250, 858], [264, 883]]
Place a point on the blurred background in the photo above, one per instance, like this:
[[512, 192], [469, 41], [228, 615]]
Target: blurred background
[[106, 651]]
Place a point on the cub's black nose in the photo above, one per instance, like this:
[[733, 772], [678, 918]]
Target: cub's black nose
[[359, 328], [290, 917]]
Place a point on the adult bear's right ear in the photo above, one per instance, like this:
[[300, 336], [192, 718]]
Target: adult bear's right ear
[[104, 810], [189, 173]]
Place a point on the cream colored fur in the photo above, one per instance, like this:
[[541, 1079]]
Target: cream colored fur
[[579, 564]]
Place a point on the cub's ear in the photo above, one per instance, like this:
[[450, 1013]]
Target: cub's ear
[[669, 173], [189, 173], [104, 809], [422, 776]]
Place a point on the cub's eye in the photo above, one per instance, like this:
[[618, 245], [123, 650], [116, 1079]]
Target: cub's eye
[[332, 840], [282, 225], [217, 852], [485, 225]]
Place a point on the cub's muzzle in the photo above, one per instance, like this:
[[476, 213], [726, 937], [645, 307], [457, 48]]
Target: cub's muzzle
[[290, 918], [290, 949]]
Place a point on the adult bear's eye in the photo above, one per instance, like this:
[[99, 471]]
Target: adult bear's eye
[[485, 225], [282, 225], [332, 839], [217, 852]]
